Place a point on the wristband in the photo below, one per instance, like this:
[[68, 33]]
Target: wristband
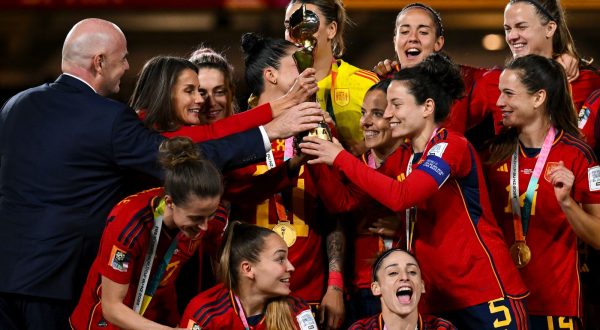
[[336, 279]]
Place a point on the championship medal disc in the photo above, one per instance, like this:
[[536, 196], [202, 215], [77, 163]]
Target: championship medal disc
[[520, 254], [286, 231], [321, 133]]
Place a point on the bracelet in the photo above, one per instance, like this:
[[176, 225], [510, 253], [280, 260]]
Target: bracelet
[[336, 279]]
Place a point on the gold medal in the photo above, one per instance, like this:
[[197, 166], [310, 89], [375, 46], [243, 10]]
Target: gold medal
[[520, 254], [320, 132], [286, 231]]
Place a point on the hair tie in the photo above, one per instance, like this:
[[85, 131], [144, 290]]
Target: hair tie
[[540, 8], [436, 15]]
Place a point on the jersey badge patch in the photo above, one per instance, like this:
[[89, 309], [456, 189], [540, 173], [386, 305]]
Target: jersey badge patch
[[193, 325], [306, 320], [584, 114], [594, 178], [341, 96], [549, 167], [119, 259], [438, 149]]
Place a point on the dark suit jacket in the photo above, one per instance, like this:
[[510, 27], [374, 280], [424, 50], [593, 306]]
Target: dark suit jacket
[[63, 153]]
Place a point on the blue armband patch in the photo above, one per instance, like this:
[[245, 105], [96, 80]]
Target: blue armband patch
[[437, 168]]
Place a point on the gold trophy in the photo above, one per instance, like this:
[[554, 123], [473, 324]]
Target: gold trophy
[[303, 25]]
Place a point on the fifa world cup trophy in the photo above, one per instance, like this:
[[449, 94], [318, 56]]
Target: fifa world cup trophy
[[303, 25]]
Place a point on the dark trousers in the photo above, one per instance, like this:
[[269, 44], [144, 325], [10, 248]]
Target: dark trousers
[[19, 312]]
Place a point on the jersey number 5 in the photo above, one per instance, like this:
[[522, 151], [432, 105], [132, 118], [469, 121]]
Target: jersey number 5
[[503, 318]]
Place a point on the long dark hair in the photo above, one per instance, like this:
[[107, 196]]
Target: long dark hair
[[435, 78], [537, 73], [152, 92], [246, 242], [187, 173]]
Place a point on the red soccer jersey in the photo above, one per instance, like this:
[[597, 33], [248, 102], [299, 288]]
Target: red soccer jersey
[[553, 269], [120, 258], [427, 322], [455, 229], [458, 117], [250, 191], [485, 93], [340, 196], [216, 308], [588, 117]]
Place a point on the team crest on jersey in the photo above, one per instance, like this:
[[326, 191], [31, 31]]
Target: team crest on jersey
[[193, 325], [594, 178], [549, 167], [583, 116], [341, 96], [119, 259], [438, 149]]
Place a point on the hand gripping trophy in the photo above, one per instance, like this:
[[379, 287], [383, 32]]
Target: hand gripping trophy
[[302, 27]]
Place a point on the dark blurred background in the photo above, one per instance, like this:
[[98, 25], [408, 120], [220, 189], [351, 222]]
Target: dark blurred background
[[32, 32]]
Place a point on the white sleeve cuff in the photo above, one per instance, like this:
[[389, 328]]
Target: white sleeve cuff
[[265, 137]]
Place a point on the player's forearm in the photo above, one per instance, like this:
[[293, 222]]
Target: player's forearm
[[336, 245], [585, 221], [124, 317]]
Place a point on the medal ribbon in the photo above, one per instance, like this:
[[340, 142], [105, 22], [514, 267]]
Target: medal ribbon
[[386, 243], [521, 217], [151, 289], [281, 213], [241, 313], [411, 212], [147, 266]]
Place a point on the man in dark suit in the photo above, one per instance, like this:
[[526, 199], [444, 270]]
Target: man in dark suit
[[64, 149]]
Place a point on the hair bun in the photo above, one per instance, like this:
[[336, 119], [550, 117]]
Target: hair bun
[[252, 43], [176, 151], [438, 67]]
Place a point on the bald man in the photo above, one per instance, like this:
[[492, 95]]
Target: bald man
[[64, 149]]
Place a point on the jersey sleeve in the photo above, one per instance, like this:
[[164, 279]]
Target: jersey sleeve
[[447, 151], [447, 157], [458, 117], [120, 246], [187, 319], [395, 195], [588, 120], [227, 126], [303, 313], [482, 99], [337, 196], [587, 179]]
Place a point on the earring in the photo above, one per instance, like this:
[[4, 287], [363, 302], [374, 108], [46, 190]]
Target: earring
[[274, 81]]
